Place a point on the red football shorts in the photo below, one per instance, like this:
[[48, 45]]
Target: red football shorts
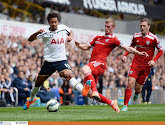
[[98, 68], [140, 73]]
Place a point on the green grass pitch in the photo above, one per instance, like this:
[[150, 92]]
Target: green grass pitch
[[153, 112]]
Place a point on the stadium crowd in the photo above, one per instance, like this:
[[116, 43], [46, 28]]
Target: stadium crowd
[[20, 61]]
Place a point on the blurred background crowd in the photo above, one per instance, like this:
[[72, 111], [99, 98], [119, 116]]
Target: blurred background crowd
[[21, 60]]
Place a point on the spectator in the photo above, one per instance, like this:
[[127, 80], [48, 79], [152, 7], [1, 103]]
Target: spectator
[[66, 93], [7, 91], [147, 86], [23, 88]]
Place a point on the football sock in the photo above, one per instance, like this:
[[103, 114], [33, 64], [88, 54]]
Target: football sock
[[128, 93], [76, 84], [89, 76], [106, 100], [33, 93]]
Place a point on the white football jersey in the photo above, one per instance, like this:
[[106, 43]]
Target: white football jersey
[[54, 43]]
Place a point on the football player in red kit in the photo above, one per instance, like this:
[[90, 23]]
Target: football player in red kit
[[141, 65], [102, 46]]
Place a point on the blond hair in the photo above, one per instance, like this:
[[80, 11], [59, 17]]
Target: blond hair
[[111, 20], [146, 20]]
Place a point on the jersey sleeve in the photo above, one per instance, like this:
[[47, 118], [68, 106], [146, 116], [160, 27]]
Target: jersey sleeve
[[133, 44], [93, 41], [68, 30], [39, 36], [117, 42], [157, 44]]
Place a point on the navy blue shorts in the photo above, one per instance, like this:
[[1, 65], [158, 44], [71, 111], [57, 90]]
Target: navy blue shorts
[[48, 68]]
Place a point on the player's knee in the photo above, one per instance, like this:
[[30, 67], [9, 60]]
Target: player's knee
[[131, 84], [90, 93], [67, 75], [86, 69]]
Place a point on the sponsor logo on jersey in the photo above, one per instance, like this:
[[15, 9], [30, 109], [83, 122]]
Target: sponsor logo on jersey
[[140, 46], [147, 42], [130, 72], [98, 42], [137, 41], [159, 45], [106, 40], [57, 41]]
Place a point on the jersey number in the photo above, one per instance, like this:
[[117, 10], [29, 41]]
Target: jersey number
[[68, 66]]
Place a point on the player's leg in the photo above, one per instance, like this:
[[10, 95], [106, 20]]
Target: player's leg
[[143, 74], [34, 91], [92, 71], [46, 70], [64, 70], [132, 76], [103, 99], [89, 80], [138, 89], [128, 92], [112, 103]]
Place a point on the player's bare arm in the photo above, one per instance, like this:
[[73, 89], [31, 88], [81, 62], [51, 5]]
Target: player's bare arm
[[34, 35], [82, 46], [134, 51], [70, 37]]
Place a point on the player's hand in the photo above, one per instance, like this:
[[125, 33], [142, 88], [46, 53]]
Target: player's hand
[[151, 63], [124, 59], [69, 39], [144, 54], [77, 43], [40, 31]]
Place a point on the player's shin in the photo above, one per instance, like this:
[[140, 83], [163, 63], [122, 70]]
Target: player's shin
[[128, 93], [33, 93], [76, 84]]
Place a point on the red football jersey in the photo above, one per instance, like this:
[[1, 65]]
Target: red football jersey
[[146, 43], [102, 46]]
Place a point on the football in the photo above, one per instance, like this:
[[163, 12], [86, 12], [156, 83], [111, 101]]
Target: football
[[52, 105]]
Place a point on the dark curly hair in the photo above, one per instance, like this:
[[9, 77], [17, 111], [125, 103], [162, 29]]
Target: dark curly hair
[[52, 15]]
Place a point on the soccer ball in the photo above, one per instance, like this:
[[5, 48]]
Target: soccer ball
[[52, 105]]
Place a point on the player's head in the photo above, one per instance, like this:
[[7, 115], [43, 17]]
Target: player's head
[[110, 25], [53, 20], [145, 26]]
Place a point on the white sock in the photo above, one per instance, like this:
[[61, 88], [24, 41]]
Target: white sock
[[112, 103], [33, 93], [76, 84]]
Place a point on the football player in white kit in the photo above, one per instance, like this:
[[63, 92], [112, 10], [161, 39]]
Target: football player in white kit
[[54, 38]]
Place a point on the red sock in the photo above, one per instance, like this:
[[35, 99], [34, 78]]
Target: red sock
[[89, 76], [128, 93], [105, 100]]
